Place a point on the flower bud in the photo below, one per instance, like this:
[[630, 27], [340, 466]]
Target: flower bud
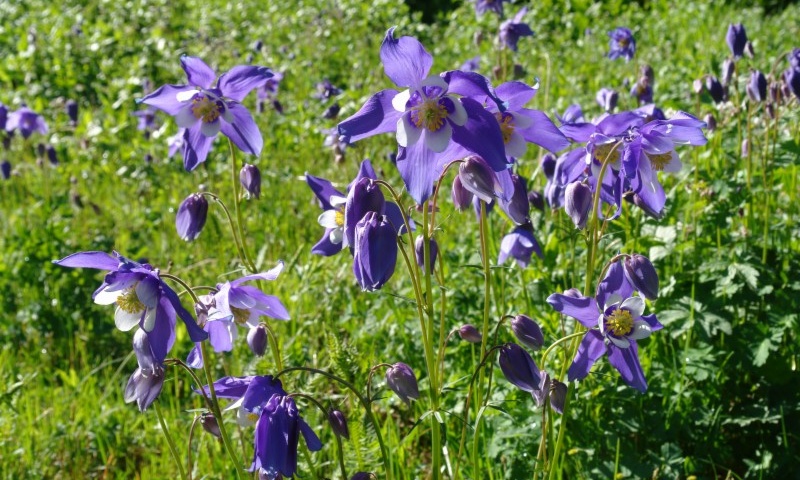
[[757, 87], [364, 196], [374, 251], [52, 156], [728, 68], [558, 395], [5, 169], [331, 112], [400, 378], [210, 425], [277, 106], [548, 165], [774, 92], [745, 148], [642, 275], [41, 148], [191, 217], [770, 110], [578, 203], [697, 86], [711, 122], [257, 340], [517, 207], [715, 89], [736, 38], [478, 177], [637, 200], [72, 112], [470, 334], [519, 368], [528, 332], [607, 99], [462, 198], [791, 79], [338, 423], [250, 178], [642, 91], [646, 72], [362, 476], [536, 200], [419, 252]]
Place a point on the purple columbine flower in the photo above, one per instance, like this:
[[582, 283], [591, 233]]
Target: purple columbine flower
[[72, 111], [176, 142], [26, 121], [621, 44], [401, 380], [607, 99], [191, 216], [250, 178], [204, 108], [147, 120], [520, 245], [375, 251], [519, 368], [5, 169], [513, 29], [757, 86], [615, 320], [145, 384], [736, 38], [326, 90], [262, 399], [483, 6], [432, 125]]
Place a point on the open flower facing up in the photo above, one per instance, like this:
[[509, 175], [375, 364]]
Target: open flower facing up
[[615, 321], [204, 108], [513, 29], [621, 44], [262, 399], [432, 124], [26, 121]]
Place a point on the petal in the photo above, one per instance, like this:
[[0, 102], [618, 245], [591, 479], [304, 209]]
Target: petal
[[243, 130], [405, 60], [515, 94], [312, 440], [237, 82], [619, 342], [400, 100], [219, 335], [195, 147], [473, 85], [420, 167], [376, 116], [481, 135], [337, 236], [583, 309], [327, 219], [98, 260], [395, 217], [407, 133], [614, 283], [198, 73], [239, 298], [270, 305], [570, 166], [196, 334], [626, 361], [195, 357], [325, 247], [270, 275], [210, 129], [438, 140], [635, 305], [641, 329], [166, 98], [185, 117], [589, 351], [542, 131], [578, 132], [651, 320], [126, 321], [516, 145], [459, 114], [324, 191], [147, 290], [106, 296]]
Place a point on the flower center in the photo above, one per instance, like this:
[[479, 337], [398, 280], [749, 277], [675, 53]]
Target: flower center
[[429, 115], [240, 315], [129, 302], [619, 322], [206, 109], [506, 122], [660, 160], [602, 151], [340, 217]]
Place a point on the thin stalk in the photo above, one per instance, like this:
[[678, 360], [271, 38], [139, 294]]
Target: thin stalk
[[429, 356], [486, 308], [189, 448], [235, 185], [172, 449], [231, 223]]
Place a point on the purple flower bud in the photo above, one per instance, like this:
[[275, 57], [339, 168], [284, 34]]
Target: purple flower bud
[[462, 198], [642, 91], [578, 203], [518, 208], [478, 177], [548, 165], [715, 89], [276, 105], [607, 99], [536, 200], [41, 148], [697, 86], [3, 117], [191, 217], [338, 424], [362, 476], [257, 45], [711, 122], [144, 386], [774, 92], [736, 39], [419, 251], [331, 112], [728, 68], [757, 87], [558, 395], [257, 340], [637, 200], [528, 332], [5, 169], [791, 78], [364, 196], [400, 378], [519, 368], [646, 72], [250, 178], [374, 251], [72, 111], [745, 148], [770, 109], [470, 334], [642, 275], [52, 156], [210, 425]]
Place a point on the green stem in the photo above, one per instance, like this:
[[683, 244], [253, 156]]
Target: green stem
[[429, 356], [485, 327], [172, 449], [231, 223], [235, 184], [189, 448]]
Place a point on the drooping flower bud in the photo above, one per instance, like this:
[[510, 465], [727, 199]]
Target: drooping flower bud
[[736, 39], [364, 196], [257, 340], [3, 117], [250, 178], [331, 112], [548, 165], [210, 425], [462, 198], [338, 423], [191, 217], [607, 99], [637, 200], [728, 69], [697, 86], [519, 368], [144, 386], [528, 332], [641, 273], [711, 122], [419, 252], [5, 169], [52, 156], [536, 200], [41, 148], [757, 86], [578, 203], [478, 177], [72, 112], [558, 395], [374, 251], [791, 78], [400, 378], [362, 476], [517, 207], [642, 91], [470, 334], [715, 89]]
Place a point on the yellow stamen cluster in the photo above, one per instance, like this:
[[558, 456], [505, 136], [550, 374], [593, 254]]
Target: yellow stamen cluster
[[506, 125], [206, 109], [339, 217], [240, 315], [620, 322], [602, 151], [660, 160], [429, 115], [129, 302]]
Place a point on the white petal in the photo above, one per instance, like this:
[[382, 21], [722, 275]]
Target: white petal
[[612, 299], [635, 305], [407, 133], [149, 320], [337, 201], [399, 101], [210, 129], [620, 342], [185, 117], [641, 330], [438, 140], [516, 146], [434, 81], [336, 236], [126, 321], [521, 121], [459, 115], [227, 115], [674, 164], [328, 219], [601, 323], [186, 95], [107, 297]]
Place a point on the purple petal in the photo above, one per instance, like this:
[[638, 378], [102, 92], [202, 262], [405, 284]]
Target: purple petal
[[239, 298], [237, 82], [543, 131], [481, 135], [243, 130], [515, 94], [613, 283], [589, 351], [578, 132], [268, 305], [653, 322], [162, 337], [98, 260], [365, 170], [195, 147], [325, 247], [583, 309], [269, 275], [148, 292], [405, 60], [198, 73], [395, 216], [229, 387], [312, 440], [419, 167], [323, 189], [570, 166], [471, 84], [652, 195], [196, 333], [165, 98], [219, 335], [376, 116], [619, 123], [260, 390], [195, 357], [626, 361]]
